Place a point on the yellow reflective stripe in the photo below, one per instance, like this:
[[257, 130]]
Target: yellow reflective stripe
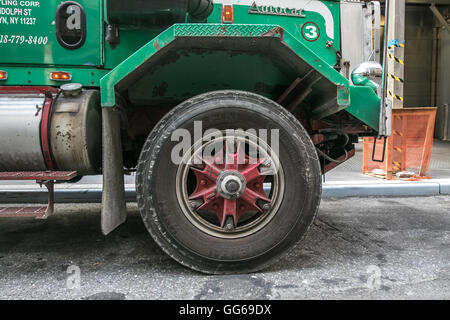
[[395, 77], [395, 96], [391, 56]]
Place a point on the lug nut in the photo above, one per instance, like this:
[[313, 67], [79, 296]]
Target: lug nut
[[194, 204], [229, 225], [267, 163]]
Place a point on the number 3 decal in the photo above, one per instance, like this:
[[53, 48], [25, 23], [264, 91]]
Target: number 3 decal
[[310, 31]]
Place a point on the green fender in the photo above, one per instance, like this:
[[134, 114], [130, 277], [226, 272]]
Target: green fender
[[360, 101]]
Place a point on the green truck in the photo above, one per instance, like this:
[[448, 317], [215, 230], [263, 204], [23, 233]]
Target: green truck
[[228, 111]]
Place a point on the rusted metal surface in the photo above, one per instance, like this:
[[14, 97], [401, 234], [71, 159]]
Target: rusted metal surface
[[46, 178], [24, 90], [75, 133], [39, 212], [39, 175], [14, 212], [156, 45], [274, 32], [45, 139], [288, 91], [299, 90], [317, 138]]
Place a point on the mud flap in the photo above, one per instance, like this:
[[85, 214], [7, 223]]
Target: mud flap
[[114, 211]]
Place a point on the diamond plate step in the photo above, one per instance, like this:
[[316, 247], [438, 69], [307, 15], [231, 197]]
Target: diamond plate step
[[39, 175], [46, 178], [11, 212]]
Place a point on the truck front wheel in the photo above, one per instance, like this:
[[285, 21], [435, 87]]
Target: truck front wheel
[[227, 182]]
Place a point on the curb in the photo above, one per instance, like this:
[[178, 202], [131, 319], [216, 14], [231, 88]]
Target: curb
[[386, 190], [94, 195], [444, 187]]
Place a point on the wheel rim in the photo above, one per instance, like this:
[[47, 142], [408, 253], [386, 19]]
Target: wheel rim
[[227, 191]]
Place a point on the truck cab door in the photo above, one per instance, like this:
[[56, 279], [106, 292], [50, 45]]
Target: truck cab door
[[52, 32]]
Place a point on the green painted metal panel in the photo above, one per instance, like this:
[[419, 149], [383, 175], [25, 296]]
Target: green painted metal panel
[[179, 30], [130, 42], [362, 102], [326, 15], [365, 105], [28, 34], [214, 30], [109, 81], [314, 60], [318, 22], [195, 72], [343, 96], [38, 76]]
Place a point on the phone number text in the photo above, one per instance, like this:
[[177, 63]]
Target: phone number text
[[12, 39]]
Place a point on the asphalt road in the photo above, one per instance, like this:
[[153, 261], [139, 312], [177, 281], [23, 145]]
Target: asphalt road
[[370, 248]]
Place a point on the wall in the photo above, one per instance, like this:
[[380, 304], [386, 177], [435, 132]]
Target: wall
[[443, 88], [418, 56]]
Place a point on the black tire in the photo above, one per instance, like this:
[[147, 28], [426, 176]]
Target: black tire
[[177, 236]]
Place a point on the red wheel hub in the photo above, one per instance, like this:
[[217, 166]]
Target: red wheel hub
[[234, 163]]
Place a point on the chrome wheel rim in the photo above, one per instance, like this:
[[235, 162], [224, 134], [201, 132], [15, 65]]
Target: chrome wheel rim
[[230, 198]]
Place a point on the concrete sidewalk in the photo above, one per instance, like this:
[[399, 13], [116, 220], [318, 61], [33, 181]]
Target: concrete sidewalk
[[346, 180]]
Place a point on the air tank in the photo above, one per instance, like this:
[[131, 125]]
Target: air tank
[[74, 132]]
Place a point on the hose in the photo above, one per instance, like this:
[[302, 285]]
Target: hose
[[323, 154]]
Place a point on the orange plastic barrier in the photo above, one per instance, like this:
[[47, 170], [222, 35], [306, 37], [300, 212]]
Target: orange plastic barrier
[[408, 149]]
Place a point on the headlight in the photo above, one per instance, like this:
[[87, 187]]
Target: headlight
[[368, 73]]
